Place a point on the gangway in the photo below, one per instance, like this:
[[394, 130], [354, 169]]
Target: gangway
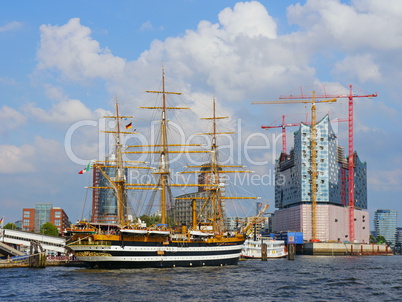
[[7, 250], [49, 243]]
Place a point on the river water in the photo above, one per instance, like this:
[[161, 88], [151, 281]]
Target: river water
[[307, 278]]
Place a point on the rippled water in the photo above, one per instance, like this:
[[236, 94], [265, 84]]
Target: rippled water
[[308, 278]]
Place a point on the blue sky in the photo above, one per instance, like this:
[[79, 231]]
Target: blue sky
[[63, 63]]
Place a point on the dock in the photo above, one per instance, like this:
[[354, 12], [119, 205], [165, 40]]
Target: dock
[[345, 249]]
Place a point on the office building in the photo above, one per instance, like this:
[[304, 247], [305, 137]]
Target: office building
[[182, 208], [33, 219], [385, 224]]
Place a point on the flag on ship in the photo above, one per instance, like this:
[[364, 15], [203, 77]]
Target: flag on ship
[[1, 222], [129, 126], [87, 168]]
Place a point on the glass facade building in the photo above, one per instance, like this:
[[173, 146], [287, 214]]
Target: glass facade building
[[385, 224], [293, 171], [42, 215], [104, 201]]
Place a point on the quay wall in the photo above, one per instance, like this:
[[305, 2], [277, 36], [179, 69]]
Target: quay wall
[[344, 249]]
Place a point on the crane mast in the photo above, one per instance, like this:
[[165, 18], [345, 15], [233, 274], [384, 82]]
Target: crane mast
[[313, 160], [313, 154]]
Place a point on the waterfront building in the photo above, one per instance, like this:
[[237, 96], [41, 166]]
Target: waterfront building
[[398, 236], [293, 188], [385, 224], [182, 211], [34, 218], [233, 224], [182, 208]]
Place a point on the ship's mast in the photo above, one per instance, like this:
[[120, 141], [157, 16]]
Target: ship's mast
[[118, 182], [163, 168], [214, 188], [215, 192], [120, 178], [163, 161]]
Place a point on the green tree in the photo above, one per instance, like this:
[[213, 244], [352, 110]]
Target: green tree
[[149, 220], [10, 226], [49, 229], [373, 239], [381, 239]]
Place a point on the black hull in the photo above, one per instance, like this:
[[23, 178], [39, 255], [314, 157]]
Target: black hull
[[161, 264], [156, 255]]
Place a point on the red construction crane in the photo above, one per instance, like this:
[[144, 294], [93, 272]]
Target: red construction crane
[[350, 96], [284, 125]]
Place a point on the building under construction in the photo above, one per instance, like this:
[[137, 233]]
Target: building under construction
[[329, 217]]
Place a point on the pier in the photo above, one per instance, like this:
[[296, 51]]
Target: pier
[[345, 249]]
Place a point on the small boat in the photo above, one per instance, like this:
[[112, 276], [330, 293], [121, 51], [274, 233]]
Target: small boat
[[252, 249]]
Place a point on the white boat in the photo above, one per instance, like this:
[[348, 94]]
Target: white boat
[[252, 249]]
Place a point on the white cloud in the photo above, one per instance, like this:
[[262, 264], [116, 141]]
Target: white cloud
[[241, 53], [247, 18], [8, 81], [15, 159], [54, 93], [341, 25], [10, 118], [64, 112], [146, 26], [386, 180], [361, 66], [11, 26], [393, 8], [36, 157], [70, 49]]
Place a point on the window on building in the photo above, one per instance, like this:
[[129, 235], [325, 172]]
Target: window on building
[[26, 221], [57, 214], [26, 214]]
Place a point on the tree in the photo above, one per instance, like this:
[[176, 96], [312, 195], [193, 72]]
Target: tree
[[10, 226], [149, 220], [381, 239], [373, 239], [49, 229]]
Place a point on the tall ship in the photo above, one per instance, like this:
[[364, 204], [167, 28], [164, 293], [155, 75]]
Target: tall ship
[[129, 242]]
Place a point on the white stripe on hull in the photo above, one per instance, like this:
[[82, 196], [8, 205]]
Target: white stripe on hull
[[156, 258], [105, 249]]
